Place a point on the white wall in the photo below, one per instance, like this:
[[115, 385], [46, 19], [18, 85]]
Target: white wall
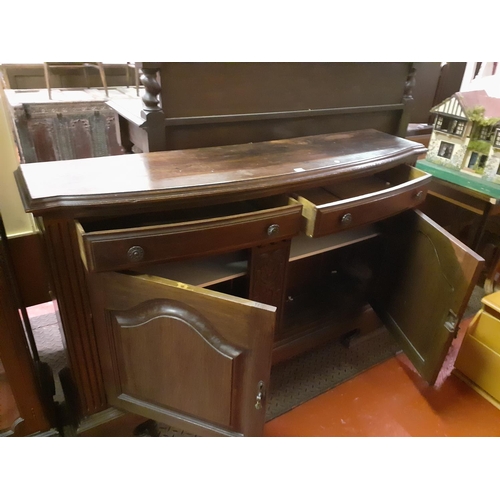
[[485, 79]]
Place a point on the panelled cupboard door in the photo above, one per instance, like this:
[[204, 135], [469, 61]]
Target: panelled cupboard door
[[423, 289], [183, 355]]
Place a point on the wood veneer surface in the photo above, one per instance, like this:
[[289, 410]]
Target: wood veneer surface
[[266, 166]]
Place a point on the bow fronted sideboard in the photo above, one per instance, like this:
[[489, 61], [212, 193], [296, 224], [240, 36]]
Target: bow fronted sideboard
[[182, 276]]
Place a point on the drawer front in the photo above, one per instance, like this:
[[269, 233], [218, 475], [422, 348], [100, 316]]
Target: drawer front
[[327, 218], [125, 248]]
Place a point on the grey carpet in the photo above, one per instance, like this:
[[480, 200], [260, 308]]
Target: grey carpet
[[50, 347]]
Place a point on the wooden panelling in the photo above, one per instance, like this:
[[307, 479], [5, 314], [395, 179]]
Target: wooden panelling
[[58, 130], [236, 172], [69, 283], [31, 268], [118, 249], [16, 362], [426, 282], [31, 76], [217, 104], [155, 329]]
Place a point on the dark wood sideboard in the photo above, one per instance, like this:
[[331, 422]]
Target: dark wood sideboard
[[182, 276]]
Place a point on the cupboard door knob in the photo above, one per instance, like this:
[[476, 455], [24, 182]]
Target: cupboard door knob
[[273, 230], [135, 253], [346, 219]]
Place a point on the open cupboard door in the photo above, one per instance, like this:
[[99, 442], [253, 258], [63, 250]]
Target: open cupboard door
[[425, 280], [183, 355]]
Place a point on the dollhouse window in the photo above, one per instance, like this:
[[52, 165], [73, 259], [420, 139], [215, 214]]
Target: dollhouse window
[[445, 150], [450, 125], [485, 133], [458, 127], [497, 139], [477, 161]]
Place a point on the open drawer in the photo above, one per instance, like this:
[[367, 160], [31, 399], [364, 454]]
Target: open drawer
[[355, 202], [119, 243]]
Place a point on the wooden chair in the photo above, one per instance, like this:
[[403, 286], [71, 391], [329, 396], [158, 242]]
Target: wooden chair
[[47, 66], [132, 65]]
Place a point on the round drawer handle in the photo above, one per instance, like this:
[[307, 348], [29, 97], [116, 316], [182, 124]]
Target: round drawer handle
[[135, 253], [273, 230], [419, 195], [346, 219]]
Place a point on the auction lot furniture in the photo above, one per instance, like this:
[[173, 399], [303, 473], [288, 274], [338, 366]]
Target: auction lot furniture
[[192, 105], [478, 361], [48, 66], [182, 276], [80, 126]]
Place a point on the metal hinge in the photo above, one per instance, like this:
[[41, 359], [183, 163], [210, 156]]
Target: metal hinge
[[451, 321]]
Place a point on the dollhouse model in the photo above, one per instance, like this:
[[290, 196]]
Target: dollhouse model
[[466, 134]]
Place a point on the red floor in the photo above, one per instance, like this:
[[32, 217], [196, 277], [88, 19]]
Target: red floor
[[392, 400]]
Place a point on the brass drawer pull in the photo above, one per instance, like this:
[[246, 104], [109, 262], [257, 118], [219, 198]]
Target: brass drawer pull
[[135, 253], [346, 219], [273, 230]]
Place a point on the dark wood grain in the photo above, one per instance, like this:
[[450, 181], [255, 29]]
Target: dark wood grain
[[107, 250], [30, 268], [168, 206], [218, 104], [35, 414], [70, 290], [61, 130], [355, 203], [209, 173], [146, 324], [193, 89], [268, 273], [134, 188], [426, 282]]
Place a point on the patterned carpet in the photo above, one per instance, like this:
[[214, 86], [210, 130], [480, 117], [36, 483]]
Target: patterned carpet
[[50, 346], [300, 379]]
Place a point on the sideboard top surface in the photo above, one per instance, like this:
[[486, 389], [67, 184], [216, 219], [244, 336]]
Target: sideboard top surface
[[215, 173]]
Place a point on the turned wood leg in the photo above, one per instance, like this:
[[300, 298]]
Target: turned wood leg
[[103, 77]]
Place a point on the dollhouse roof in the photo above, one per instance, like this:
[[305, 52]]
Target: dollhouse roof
[[460, 103]]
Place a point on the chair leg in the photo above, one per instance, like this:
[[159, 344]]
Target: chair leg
[[47, 79], [103, 77], [86, 74], [137, 81]]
